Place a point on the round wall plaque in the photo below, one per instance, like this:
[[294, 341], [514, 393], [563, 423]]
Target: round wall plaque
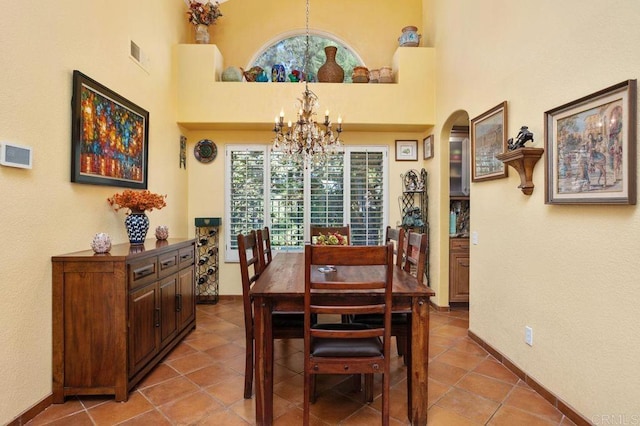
[[205, 151]]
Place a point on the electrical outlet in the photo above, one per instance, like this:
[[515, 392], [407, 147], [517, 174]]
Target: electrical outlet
[[528, 335], [474, 238]]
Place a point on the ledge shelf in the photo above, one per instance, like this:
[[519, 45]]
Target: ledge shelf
[[523, 160]]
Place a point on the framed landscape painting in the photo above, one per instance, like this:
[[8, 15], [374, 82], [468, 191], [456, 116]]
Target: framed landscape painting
[[489, 138], [591, 148], [109, 136], [406, 150]]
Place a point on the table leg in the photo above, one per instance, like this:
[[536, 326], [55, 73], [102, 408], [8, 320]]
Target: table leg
[[419, 360], [263, 335]]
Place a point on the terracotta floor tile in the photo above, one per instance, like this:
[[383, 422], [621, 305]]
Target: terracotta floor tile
[[191, 409], [225, 351], [159, 374], [170, 390], [445, 373], [201, 382], [492, 368], [57, 411], [464, 360], [468, 405], [438, 416], [78, 419], [528, 400], [508, 416], [115, 412], [228, 391], [191, 362], [150, 418], [487, 387], [211, 375]]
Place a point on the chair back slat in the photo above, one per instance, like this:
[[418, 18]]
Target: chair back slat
[[397, 237], [249, 271], [416, 254], [263, 237]]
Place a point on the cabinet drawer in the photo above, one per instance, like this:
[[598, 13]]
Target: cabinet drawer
[[186, 256], [142, 271], [459, 244], [167, 263]]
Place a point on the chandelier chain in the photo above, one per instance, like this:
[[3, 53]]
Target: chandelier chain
[[305, 140]]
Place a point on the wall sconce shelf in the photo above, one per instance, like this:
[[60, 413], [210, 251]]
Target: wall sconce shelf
[[523, 160]]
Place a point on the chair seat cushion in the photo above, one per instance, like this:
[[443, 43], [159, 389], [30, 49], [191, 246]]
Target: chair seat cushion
[[329, 347]]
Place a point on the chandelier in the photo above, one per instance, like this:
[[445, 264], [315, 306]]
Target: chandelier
[[306, 140]]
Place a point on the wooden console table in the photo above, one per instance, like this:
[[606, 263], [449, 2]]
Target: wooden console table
[[116, 315]]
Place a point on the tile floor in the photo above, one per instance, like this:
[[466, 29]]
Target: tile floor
[[201, 383]]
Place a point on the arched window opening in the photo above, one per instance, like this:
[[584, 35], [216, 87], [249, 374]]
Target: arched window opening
[[290, 53]]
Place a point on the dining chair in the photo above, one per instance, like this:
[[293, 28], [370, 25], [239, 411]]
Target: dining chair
[[264, 247], [414, 254], [316, 230], [285, 325], [347, 348]]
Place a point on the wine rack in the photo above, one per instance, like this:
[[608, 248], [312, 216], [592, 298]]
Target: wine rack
[[207, 257]]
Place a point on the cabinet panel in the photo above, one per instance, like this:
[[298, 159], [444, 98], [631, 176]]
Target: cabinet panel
[[168, 308], [144, 321], [459, 270], [186, 297]]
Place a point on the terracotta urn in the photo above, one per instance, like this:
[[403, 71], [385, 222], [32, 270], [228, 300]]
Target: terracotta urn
[[330, 71]]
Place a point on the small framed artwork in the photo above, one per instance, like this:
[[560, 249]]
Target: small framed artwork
[[489, 138], [109, 136], [427, 144], [591, 148], [406, 150]]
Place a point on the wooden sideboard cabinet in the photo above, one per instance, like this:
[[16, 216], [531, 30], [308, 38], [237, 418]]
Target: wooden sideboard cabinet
[[458, 270], [116, 315]]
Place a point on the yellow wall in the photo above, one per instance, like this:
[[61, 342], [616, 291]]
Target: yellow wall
[[42, 213], [567, 271], [570, 272]]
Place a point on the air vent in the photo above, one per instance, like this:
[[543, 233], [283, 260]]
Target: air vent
[[135, 51], [138, 56]]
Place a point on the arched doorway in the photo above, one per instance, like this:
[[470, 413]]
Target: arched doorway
[[455, 141]]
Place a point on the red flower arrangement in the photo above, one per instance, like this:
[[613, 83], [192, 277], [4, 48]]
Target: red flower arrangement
[[203, 13], [137, 200]]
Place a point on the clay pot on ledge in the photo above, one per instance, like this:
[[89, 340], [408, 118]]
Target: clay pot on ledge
[[330, 71]]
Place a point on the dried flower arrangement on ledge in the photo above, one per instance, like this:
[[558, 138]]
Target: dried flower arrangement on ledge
[[203, 13], [137, 200]]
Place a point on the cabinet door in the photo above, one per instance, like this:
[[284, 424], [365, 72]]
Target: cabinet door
[[168, 308], [144, 323], [186, 297], [459, 275]]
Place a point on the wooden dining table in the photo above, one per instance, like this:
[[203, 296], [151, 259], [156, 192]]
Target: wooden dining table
[[280, 288]]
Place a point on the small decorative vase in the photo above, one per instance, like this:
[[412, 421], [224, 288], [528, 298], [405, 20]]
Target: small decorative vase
[[232, 74], [409, 37], [278, 73], [162, 232], [137, 224], [330, 71], [374, 76], [385, 75], [101, 243], [202, 34], [360, 75]]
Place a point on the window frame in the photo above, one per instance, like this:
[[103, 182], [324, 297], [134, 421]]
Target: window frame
[[231, 255]]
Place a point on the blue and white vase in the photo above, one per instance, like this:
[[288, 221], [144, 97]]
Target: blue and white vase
[[278, 73], [409, 37], [137, 224]]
